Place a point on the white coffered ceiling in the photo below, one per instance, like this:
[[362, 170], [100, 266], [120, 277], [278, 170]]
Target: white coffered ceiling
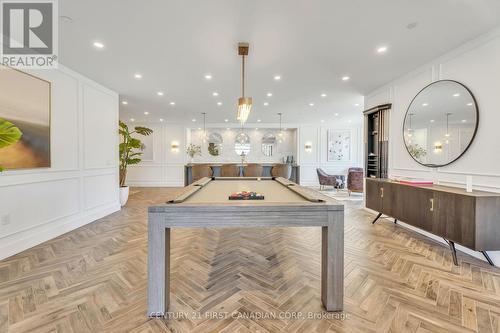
[[312, 44]]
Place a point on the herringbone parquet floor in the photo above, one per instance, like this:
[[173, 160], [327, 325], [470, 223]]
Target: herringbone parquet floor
[[94, 280]]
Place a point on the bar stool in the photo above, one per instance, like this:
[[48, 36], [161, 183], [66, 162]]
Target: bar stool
[[229, 170], [199, 171], [253, 170], [282, 170]]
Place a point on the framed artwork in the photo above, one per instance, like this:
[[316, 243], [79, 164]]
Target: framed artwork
[[339, 145], [25, 101]]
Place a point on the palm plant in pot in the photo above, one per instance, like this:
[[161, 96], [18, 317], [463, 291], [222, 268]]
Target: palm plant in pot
[[130, 151]]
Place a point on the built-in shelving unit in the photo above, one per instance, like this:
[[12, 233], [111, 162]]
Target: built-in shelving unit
[[377, 141]]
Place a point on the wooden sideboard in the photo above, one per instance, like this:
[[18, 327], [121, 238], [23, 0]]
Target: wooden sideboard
[[266, 172], [471, 219]]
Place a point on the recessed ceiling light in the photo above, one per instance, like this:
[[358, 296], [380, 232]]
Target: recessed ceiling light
[[172, 103], [228, 128], [322, 121], [132, 119], [345, 78], [219, 103], [98, 45], [412, 25], [432, 120], [349, 121], [464, 120], [199, 128], [277, 77], [456, 95], [269, 94], [226, 120], [161, 119], [215, 94], [357, 104], [335, 114], [66, 19], [266, 103], [257, 129], [311, 104], [323, 95], [193, 120], [160, 93], [469, 104], [425, 104], [146, 113], [208, 76], [382, 49], [138, 76], [258, 120], [124, 102]]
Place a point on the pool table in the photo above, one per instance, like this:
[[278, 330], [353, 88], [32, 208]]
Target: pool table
[[206, 204]]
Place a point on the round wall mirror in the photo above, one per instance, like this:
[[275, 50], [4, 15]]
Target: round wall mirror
[[268, 144], [215, 144], [440, 123], [242, 144]]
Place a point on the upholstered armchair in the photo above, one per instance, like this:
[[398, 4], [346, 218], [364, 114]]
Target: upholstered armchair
[[282, 170], [337, 181], [355, 180]]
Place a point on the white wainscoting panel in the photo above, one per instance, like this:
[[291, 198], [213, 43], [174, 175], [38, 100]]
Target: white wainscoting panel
[[82, 184], [477, 65]]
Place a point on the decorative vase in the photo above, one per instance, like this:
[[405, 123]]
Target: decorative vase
[[124, 191]]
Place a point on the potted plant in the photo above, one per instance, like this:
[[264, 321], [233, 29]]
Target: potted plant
[[9, 134], [192, 151], [130, 151]]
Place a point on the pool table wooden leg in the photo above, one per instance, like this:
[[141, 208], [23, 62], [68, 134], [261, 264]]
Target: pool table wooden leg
[[332, 262], [158, 268]]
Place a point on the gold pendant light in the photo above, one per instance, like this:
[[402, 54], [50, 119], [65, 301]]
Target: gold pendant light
[[244, 103]]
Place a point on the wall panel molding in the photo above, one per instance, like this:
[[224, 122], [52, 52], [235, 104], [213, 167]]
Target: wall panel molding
[[40, 204], [476, 64]]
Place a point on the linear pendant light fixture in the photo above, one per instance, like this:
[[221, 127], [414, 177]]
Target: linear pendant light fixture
[[244, 103], [280, 134], [204, 127]]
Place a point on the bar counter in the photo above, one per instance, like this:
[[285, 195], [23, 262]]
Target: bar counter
[[188, 179]]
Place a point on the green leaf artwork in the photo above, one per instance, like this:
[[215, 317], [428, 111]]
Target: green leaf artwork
[[9, 134]]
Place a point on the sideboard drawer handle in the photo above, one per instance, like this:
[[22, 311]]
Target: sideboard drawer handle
[[432, 205], [381, 192]]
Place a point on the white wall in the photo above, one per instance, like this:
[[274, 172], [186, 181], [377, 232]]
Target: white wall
[[477, 65], [82, 184], [286, 148], [317, 158], [167, 167]]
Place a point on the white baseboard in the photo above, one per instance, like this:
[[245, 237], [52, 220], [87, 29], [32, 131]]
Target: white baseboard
[[494, 255], [309, 183], [21, 241], [156, 184]]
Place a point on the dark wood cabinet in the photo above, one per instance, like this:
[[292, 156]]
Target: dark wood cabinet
[[471, 219], [373, 196]]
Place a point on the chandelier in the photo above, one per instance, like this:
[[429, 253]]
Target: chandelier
[[244, 103]]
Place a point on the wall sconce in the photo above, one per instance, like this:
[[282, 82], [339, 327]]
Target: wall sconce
[[308, 147], [174, 146], [438, 147]]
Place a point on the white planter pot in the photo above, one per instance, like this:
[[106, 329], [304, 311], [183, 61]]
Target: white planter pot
[[124, 195]]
